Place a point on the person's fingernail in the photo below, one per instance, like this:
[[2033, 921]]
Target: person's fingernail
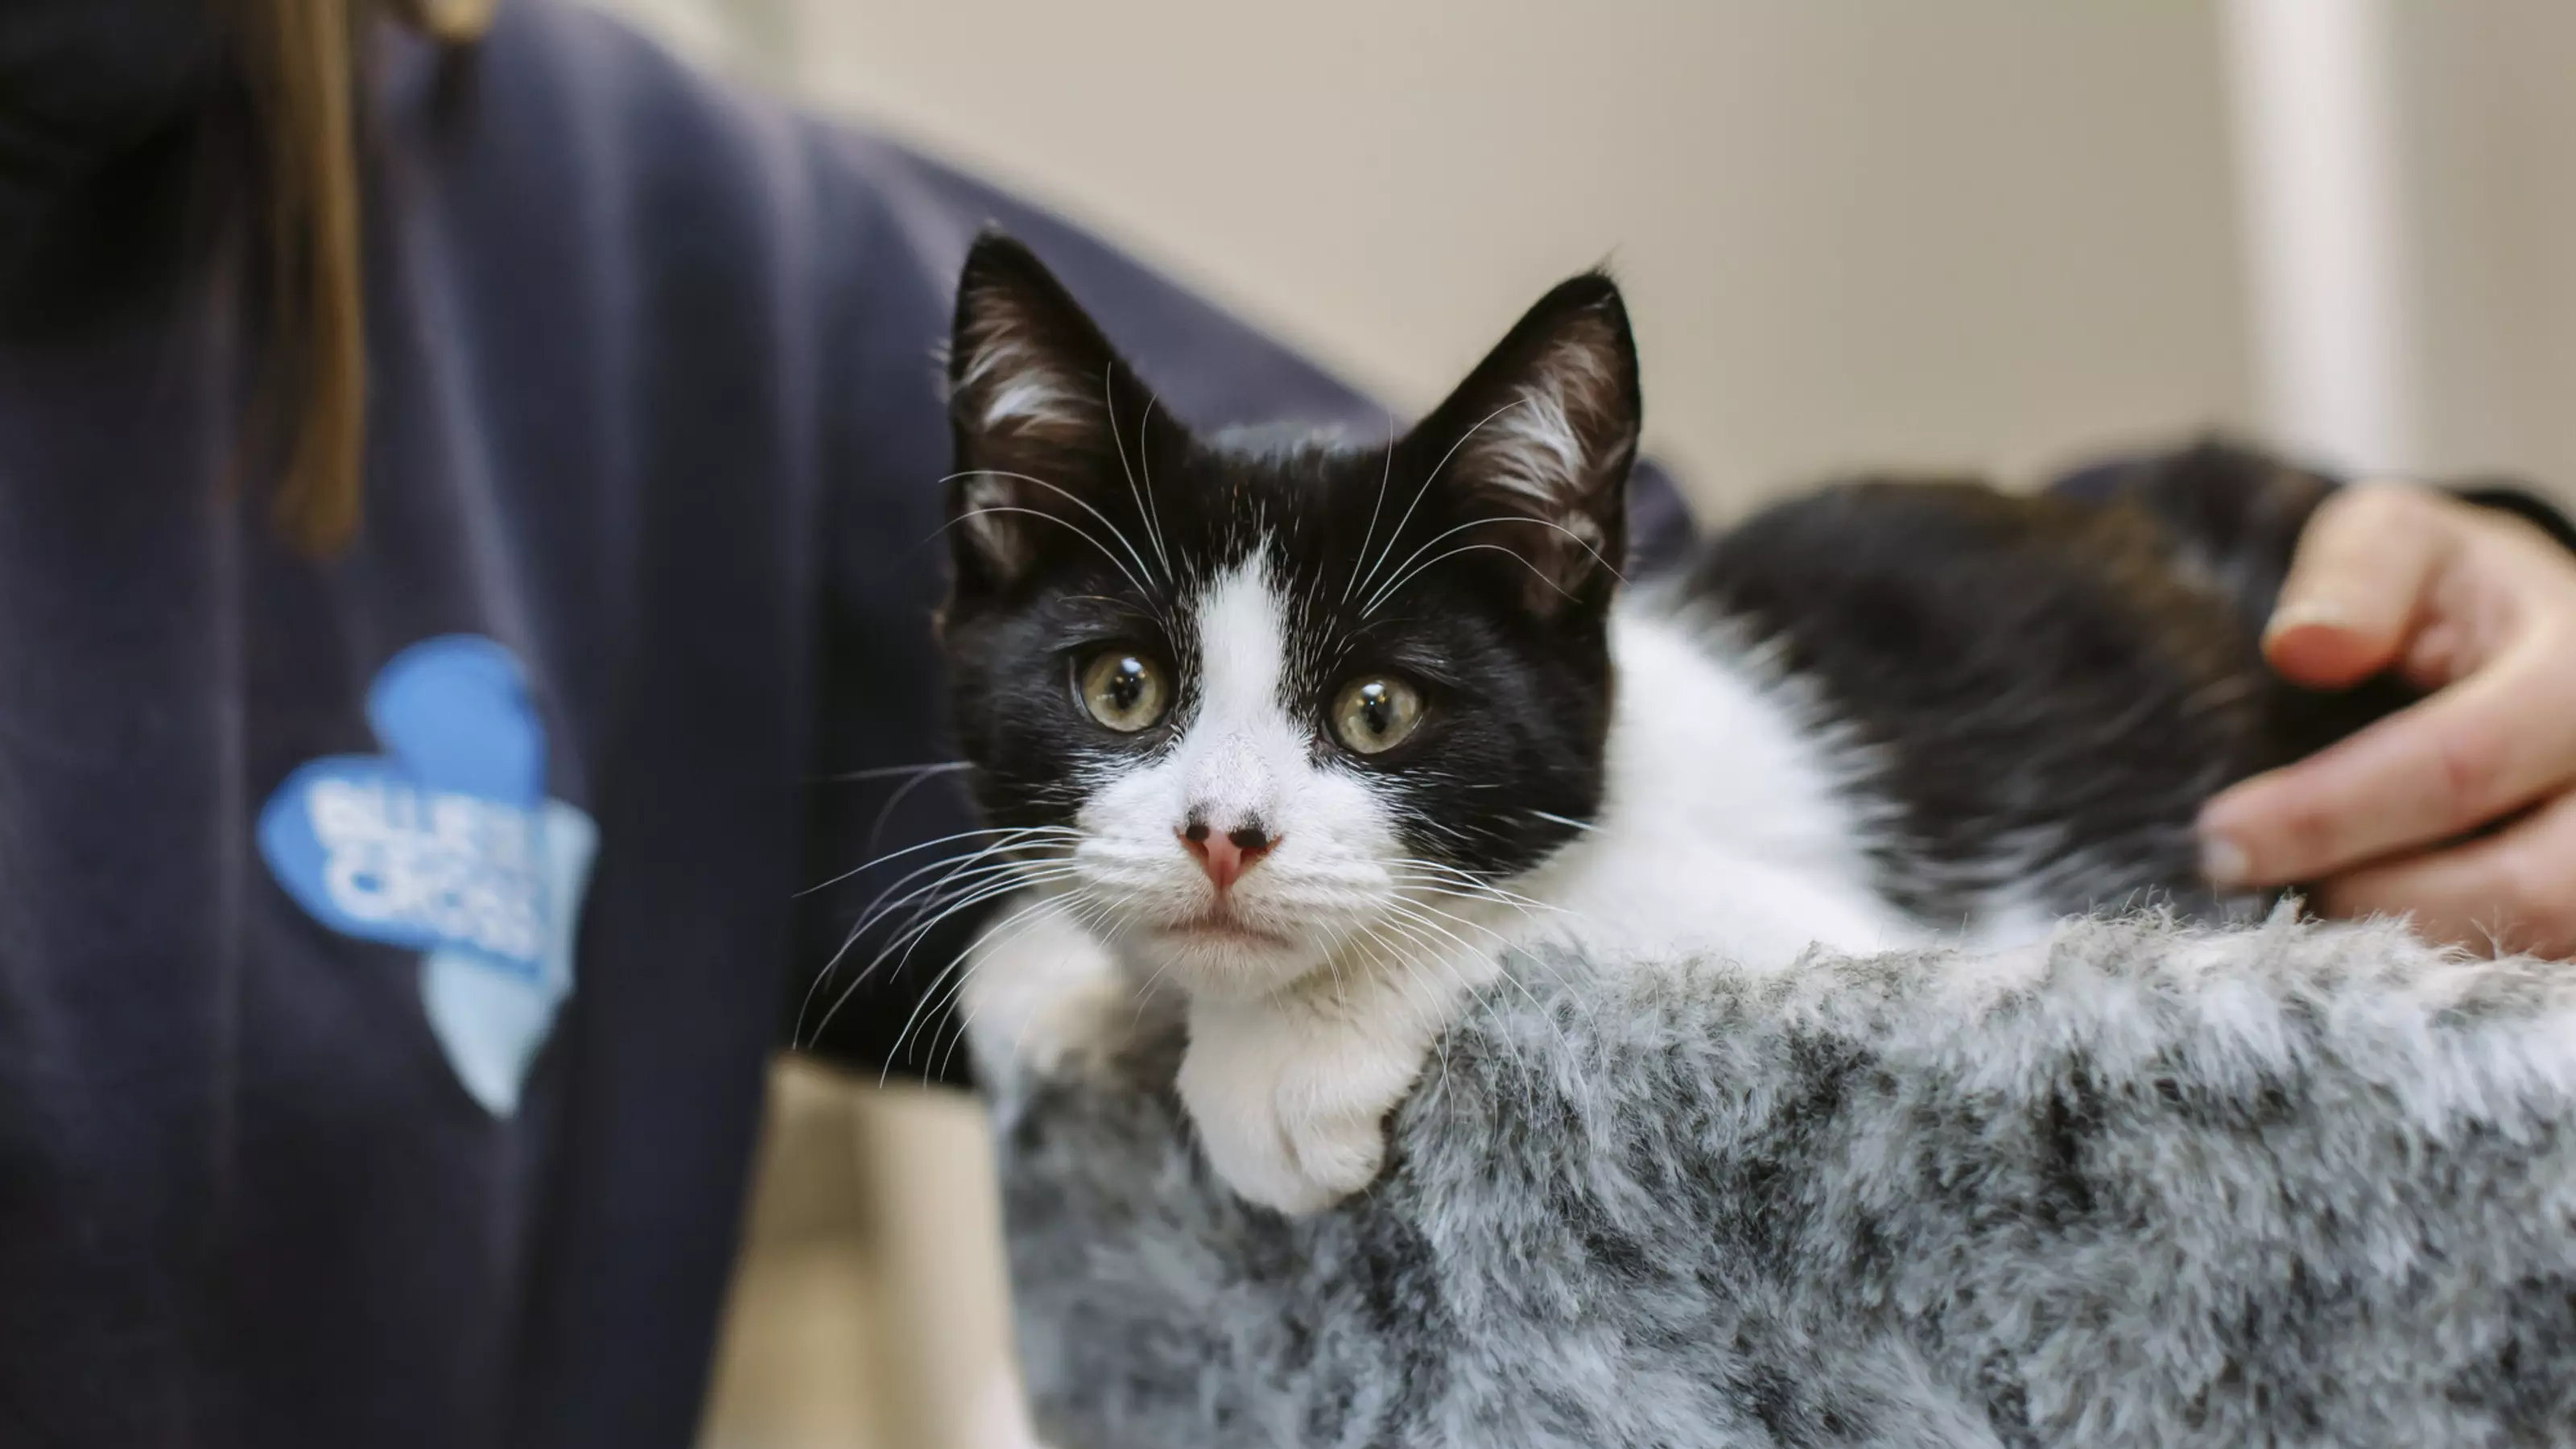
[[2306, 614], [2222, 862]]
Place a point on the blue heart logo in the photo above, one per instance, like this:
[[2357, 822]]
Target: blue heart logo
[[446, 844]]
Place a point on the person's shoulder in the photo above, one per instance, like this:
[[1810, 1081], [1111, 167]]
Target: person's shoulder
[[574, 60], [561, 104]]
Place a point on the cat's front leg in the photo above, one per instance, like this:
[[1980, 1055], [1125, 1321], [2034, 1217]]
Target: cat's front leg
[[1291, 1092], [1042, 999]]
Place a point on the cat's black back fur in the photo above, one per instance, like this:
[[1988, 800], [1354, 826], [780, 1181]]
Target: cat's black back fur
[[2047, 689]]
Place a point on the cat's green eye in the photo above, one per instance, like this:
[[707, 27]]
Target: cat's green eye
[[1123, 690], [1376, 713]]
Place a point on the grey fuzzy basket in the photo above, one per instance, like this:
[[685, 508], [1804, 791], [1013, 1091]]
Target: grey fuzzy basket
[[2148, 1185]]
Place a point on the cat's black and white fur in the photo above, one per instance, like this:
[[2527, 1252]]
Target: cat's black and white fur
[[1165, 648]]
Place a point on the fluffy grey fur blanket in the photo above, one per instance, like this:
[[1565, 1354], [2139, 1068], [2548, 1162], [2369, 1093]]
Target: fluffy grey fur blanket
[[2146, 1186]]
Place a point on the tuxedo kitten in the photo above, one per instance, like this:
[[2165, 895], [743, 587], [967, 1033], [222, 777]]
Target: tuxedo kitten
[[1318, 732]]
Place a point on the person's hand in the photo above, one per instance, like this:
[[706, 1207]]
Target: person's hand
[[2480, 608]]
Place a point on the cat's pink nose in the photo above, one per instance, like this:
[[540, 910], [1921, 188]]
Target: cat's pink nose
[[1226, 855]]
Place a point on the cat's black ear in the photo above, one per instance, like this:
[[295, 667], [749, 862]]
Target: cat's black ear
[[1037, 400], [1532, 451]]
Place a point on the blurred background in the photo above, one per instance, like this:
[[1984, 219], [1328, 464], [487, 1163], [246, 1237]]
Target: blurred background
[[2000, 235]]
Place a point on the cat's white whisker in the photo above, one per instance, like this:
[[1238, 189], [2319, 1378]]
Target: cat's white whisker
[[919, 846], [916, 935], [894, 802], [1527, 912], [1515, 555], [1145, 463], [961, 876], [909, 937], [1085, 912], [1469, 880], [1473, 990], [871, 915], [1383, 594], [1006, 848], [986, 943], [1431, 478], [1385, 472], [1568, 821], [1413, 916], [1502, 944], [1077, 501], [1416, 948], [890, 772], [966, 876], [1001, 509], [1463, 882], [1404, 903], [1118, 441]]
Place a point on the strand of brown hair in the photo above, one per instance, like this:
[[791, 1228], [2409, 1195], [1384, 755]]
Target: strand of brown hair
[[302, 62]]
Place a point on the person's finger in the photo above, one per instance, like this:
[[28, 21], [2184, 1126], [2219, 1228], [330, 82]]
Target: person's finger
[[2512, 891], [2442, 766], [2358, 580]]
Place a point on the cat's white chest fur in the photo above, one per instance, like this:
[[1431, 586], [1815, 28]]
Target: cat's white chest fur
[[1722, 830]]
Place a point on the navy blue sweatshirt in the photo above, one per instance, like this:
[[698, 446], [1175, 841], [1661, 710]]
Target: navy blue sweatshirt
[[391, 944]]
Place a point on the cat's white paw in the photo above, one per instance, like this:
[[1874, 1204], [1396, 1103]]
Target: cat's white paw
[[1042, 997], [1291, 1105]]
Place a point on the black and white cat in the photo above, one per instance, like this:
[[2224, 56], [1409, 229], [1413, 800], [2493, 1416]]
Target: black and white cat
[[1318, 733]]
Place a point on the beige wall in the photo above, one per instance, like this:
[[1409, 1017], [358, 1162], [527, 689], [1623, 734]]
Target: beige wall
[[2486, 122], [1977, 232]]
